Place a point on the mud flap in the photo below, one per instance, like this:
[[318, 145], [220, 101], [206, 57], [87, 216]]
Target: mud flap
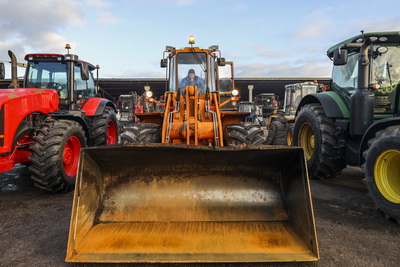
[[180, 203]]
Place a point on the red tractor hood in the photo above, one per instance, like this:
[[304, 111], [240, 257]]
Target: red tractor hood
[[16, 105], [30, 100]]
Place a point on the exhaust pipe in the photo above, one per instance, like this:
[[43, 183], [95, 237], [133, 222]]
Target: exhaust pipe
[[362, 101], [14, 76]]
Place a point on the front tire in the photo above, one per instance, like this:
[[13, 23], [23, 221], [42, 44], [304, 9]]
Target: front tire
[[382, 171], [315, 132], [55, 155], [243, 134]]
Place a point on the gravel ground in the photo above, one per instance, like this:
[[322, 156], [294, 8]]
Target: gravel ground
[[34, 225]]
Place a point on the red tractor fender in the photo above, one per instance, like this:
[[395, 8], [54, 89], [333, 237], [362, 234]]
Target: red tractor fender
[[95, 106], [17, 104]]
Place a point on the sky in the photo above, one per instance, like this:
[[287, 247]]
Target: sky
[[264, 38]]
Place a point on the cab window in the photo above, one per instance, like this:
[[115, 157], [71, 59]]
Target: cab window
[[83, 88]]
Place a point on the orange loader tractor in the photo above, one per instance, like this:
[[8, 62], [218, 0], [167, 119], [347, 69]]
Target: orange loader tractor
[[193, 111], [192, 183]]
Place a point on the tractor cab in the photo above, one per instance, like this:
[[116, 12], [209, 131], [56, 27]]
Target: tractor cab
[[188, 66], [382, 75], [69, 76], [269, 103], [295, 92], [202, 68]]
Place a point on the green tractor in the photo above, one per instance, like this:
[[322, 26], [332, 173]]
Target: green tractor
[[357, 122]]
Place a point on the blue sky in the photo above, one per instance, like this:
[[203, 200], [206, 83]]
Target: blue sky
[[265, 39]]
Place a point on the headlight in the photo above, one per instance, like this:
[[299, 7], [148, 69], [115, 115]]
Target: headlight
[[235, 92], [149, 94]]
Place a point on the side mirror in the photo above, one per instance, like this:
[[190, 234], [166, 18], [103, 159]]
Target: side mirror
[[163, 63], [2, 71], [85, 71], [340, 57], [221, 61]]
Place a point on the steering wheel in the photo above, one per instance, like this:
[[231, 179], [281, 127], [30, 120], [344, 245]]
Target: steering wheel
[[57, 86]]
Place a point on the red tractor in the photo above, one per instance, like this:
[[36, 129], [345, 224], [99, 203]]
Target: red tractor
[[56, 113]]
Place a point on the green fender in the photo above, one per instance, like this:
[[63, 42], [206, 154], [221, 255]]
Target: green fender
[[334, 105]]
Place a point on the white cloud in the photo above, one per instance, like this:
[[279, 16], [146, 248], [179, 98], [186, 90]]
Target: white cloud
[[26, 24], [17, 49], [26, 14], [48, 40], [37, 26], [102, 11], [98, 3], [314, 25]]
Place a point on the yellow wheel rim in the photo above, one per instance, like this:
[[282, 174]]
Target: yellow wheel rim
[[387, 175], [306, 140], [289, 138]]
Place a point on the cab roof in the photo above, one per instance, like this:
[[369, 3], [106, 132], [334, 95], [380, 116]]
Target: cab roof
[[42, 57], [391, 38], [191, 50]]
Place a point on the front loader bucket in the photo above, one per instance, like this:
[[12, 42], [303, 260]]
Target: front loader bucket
[[181, 203]]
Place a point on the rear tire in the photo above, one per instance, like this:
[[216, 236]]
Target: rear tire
[[55, 155], [243, 134], [382, 175], [315, 132], [104, 129], [141, 133]]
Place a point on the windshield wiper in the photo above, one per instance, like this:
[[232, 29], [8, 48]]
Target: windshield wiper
[[198, 60]]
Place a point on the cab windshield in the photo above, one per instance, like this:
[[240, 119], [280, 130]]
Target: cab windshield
[[48, 75], [54, 75], [192, 70], [384, 70]]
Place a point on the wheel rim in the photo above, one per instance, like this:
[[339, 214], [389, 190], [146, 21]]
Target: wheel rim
[[111, 133], [306, 140], [289, 138], [71, 155], [387, 175]]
